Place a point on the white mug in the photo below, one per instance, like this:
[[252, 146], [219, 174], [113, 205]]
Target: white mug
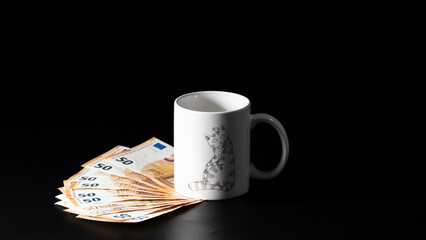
[[212, 145]]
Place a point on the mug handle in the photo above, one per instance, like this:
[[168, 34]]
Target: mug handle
[[266, 118]]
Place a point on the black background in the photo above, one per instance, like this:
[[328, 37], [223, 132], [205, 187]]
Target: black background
[[345, 80]]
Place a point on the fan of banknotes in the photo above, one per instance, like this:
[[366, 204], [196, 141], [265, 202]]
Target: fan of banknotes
[[125, 185]]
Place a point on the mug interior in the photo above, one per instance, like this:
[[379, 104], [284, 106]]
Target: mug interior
[[212, 101]]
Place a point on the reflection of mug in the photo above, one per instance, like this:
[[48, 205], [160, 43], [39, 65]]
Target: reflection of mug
[[212, 145]]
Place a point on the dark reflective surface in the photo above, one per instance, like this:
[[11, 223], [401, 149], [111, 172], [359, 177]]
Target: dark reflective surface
[[251, 216]]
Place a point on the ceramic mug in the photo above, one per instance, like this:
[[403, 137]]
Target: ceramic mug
[[212, 145]]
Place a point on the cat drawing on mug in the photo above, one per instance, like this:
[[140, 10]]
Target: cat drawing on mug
[[219, 172]]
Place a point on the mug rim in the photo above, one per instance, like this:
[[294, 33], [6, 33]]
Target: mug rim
[[244, 107]]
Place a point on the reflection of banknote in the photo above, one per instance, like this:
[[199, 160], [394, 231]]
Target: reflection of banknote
[[125, 185]]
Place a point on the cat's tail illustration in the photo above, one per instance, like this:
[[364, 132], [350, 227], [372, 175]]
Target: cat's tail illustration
[[200, 185]]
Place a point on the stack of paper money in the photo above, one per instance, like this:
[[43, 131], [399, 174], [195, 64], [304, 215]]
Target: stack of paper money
[[125, 185]]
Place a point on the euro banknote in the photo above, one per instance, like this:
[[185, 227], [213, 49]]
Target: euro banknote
[[124, 185]]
